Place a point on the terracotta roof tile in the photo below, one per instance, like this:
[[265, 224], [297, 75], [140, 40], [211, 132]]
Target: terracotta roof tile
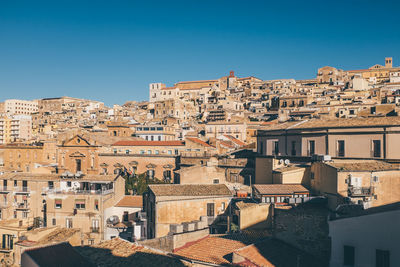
[[210, 249], [190, 190], [368, 165], [235, 140], [273, 253], [130, 201], [279, 189], [198, 141]]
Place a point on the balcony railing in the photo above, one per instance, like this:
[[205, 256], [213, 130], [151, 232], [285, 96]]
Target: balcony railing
[[5, 189], [77, 191], [21, 206], [94, 229], [360, 191], [21, 190]]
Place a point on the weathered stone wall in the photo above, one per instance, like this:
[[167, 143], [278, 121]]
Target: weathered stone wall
[[305, 227], [171, 242]]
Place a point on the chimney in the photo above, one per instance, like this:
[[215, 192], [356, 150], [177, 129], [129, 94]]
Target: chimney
[[388, 62], [231, 73]]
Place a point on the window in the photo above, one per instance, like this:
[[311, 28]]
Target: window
[[24, 214], [15, 183], [150, 174], [58, 204], [127, 151], [69, 184], [293, 148], [382, 258], [340, 151], [261, 147], [78, 165], [169, 152], [216, 181], [80, 204], [156, 152], [210, 209], [125, 217], [50, 184], [54, 222], [276, 148], [348, 256], [149, 152], [95, 226], [376, 146], [141, 151], [68, 222], [115, 151], [96, 204], [223, 206], [311, 147]]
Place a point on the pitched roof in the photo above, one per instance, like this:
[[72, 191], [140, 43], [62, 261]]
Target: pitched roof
[[269, 253], [198, 141], [210, 249], [149, 143], [235, 140], [366, 165], [335, 123], [190, 190], [119, 252], [130, 201], [279, 189], [63, 255]]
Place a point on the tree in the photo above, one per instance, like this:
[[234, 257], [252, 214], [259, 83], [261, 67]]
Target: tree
[[138, 184]]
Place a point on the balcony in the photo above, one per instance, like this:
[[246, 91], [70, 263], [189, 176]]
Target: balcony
[[21, 206], [4, 189], [59, 191], [94, 229], [21, 190], [360, 191]]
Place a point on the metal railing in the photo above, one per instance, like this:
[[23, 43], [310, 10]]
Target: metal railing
[[23, 189], [77, 191], [95, 229], [360, 191]]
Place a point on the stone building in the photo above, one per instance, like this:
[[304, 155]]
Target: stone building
[[169, 205], [368, 183]]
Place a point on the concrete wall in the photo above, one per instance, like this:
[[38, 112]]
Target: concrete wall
[[257, 215], [366, 234], [171, 242], [264, 167], [184, 210], [201, 175]]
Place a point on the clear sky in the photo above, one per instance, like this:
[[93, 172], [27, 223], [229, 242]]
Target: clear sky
[[111, 50]]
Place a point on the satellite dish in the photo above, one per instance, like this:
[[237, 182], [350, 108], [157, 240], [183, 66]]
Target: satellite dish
[[281, 161], [113, 220], [287, 162]]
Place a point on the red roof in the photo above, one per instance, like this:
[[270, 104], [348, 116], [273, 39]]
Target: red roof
[[149, 143], [198, 141], [235, 140], [130, 201]]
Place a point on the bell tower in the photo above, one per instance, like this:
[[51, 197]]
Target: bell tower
[[388, 62]]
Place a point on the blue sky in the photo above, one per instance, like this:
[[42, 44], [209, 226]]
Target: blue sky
[[111, 50]]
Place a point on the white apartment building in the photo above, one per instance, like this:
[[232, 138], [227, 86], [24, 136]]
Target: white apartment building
[[15, 128], [20, 107]]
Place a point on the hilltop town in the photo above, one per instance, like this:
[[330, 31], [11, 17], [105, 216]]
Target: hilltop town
[[229, 171]]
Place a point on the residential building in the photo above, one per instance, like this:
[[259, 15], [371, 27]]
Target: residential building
[[167, 206], [368, 238], [20, 107]]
